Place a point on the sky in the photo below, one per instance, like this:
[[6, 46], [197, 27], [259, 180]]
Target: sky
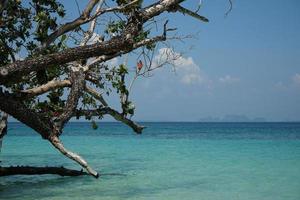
[[242, 67], [245, 65]]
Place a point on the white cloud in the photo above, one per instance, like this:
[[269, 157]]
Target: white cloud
[[294, 81], [186, 68], [296, 78], [228, 79]]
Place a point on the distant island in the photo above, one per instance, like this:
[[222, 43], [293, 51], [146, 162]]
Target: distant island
[[233, 118]]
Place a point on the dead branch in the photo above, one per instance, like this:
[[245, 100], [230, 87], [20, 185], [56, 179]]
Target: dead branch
[[59, 146], [191, 13], [115, 114], [51, 85], [89, 33]]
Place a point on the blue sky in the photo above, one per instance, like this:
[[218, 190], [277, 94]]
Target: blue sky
[[245, 64], [249, 64]]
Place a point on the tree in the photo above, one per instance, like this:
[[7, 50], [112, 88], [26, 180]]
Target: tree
[[43, 61]]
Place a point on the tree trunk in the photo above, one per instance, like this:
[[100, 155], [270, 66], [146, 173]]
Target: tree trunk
[[3, 127], [28, 170]]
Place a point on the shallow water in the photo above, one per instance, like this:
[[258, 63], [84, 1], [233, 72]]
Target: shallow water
[[168, 161]]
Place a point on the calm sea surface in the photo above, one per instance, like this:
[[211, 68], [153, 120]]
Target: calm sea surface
[[186, 161]]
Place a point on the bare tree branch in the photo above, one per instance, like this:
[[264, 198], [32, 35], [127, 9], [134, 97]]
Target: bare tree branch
[[230, 8], [192, 14], [51, 85], [115, 114], [96, 95], [59, 146], [72, 25], [84, 18], [90, 32]]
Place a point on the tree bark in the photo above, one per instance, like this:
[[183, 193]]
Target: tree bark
[[3, 127], [78, 84], [59, 146], [18, 110], [82, 52], [3, 124]]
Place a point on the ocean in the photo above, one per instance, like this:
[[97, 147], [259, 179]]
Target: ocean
[[186, 161]]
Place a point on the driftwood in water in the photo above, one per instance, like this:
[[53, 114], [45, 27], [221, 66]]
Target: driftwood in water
[[29, 170]]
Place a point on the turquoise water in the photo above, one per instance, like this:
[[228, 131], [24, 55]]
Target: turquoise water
[[186, 161]]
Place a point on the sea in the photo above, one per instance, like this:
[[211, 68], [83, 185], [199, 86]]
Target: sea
[[169, 161]]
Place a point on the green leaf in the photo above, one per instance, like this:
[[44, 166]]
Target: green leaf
[[63, 38]]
